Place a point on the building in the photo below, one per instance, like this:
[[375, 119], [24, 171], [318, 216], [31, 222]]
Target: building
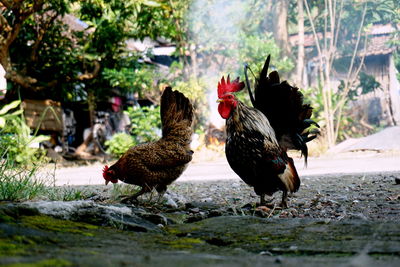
[[381, 107]]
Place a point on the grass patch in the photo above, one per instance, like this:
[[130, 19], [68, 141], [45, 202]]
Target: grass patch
[[66, 193], [19, 183], [119, 190]]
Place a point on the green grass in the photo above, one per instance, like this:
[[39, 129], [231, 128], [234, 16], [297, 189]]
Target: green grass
[[66, 193], [18, 183]]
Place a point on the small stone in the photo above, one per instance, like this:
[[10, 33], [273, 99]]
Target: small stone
[[266, 253], [278, 260], [397, 180], [171, 203], [208, 199], [194, 210]]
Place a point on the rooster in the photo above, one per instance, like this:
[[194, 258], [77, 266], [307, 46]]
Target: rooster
[[256, 147], [156, 165]]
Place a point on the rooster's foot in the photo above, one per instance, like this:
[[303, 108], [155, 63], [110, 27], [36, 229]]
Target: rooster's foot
[[284, 200], [269, 203]]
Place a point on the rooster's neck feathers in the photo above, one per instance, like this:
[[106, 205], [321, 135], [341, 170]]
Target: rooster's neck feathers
[[246, 119]]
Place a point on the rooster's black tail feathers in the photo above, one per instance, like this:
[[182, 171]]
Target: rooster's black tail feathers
[[283, 105]]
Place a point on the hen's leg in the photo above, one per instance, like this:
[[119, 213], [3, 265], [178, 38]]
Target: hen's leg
[[135, 196], [284, 199], [161, 189]]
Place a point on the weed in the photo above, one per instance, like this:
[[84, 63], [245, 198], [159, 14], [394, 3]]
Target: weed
[[18, 183], [66, 193]]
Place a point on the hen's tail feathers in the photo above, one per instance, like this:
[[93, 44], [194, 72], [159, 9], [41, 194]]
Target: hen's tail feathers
[[175, 108], [283, 105]]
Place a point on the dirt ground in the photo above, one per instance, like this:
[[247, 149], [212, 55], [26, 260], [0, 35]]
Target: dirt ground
[[359, 185], [346, 213]]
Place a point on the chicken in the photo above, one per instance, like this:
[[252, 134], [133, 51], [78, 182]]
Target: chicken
[[255, 149], [156, 165]]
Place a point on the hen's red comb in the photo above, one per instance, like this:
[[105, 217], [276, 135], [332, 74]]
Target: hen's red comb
[[105, 169], [228, 87]]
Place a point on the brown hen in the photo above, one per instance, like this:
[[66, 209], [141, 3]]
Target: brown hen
[[156, 165]]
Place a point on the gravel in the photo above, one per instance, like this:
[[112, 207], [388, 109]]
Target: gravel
[[373, 196]]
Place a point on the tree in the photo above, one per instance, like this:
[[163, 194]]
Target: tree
[[280, 30], [339, 29], [300, 51], [13, 17]]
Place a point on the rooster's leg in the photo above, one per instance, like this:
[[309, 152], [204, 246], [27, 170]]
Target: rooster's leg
[[284, 199], [262, 200]]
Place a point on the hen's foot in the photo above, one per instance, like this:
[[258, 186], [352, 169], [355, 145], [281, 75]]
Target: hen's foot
[[128, 199]]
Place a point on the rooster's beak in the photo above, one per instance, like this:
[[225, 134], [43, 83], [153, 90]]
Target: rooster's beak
[[219, 100], [107, 181]]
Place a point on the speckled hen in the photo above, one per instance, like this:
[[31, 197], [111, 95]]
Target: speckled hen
[[156, 165]]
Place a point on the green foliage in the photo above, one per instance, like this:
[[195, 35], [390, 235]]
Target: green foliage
[[146, 123], [16, 136], [131, 79], [17, 182], [119, 144], [145, 127], [253, 49], [70, 58], [66, 193], [367, 83], [314, 95], [231, 33]]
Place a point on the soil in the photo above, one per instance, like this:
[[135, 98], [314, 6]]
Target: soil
[[346, 219]]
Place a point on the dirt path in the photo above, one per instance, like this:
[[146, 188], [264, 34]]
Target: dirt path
[[219, 169]]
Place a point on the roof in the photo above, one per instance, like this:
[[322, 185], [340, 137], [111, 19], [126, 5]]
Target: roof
[[378, 40], [378, 45]]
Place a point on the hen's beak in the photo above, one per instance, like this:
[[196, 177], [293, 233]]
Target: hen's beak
[[107, 181]]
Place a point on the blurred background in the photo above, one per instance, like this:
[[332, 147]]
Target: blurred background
[[81, 80]]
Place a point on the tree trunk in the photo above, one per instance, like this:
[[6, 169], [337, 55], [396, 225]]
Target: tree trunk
[[300, 53], [91, 99], [280, 26]]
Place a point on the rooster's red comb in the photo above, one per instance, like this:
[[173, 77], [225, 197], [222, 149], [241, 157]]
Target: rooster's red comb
[[105, 169], [228, 87]]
